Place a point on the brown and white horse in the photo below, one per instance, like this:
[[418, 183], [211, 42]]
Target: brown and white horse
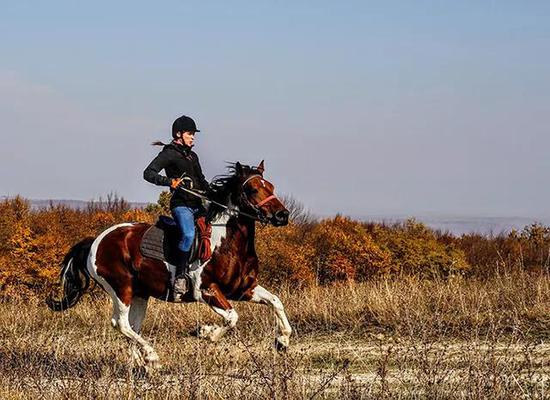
[[114, 260]]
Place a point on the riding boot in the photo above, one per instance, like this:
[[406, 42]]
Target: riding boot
[[180, 281]]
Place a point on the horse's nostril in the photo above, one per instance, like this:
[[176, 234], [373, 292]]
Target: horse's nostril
[[282, 215]]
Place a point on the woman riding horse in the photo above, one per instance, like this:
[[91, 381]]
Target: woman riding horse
[[182, 168], [114, 260]]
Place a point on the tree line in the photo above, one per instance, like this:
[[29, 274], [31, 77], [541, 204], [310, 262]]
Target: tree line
[[308, 251]]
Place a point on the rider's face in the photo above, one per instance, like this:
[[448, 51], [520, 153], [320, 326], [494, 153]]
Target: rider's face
[[188, 138]]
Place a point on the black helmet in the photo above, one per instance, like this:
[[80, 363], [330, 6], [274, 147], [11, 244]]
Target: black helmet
[[183, 124]]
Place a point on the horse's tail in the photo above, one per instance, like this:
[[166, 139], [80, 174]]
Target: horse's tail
[[75, 278]]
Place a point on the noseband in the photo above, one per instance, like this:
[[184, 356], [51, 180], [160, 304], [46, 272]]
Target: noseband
[[256, 207]]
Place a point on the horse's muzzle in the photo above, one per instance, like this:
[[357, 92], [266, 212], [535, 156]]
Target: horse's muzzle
[[280, 218]]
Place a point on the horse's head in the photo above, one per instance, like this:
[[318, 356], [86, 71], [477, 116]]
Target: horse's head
[[256, 194]]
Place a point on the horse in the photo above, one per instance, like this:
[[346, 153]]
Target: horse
[[114, 260]]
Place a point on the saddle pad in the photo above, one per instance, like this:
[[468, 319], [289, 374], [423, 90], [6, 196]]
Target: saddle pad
[[160, 243]]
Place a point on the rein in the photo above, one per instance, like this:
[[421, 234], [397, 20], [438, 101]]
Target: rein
[[230, 209]]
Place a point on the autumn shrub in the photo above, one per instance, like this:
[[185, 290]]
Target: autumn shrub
[[138, 215], [12, 211], [534, 246], [34, 242], [415, 249], [284, 257], [162, 206], [528, 249], [337, 249], [344, 250]]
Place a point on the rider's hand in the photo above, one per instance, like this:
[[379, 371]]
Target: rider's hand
[[175, 183], [187, 182]]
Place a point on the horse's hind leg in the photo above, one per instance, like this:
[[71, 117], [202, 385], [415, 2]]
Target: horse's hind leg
[[107, 264], [122, 313], [137, 313], [262, 295], [121, 320], [135, 317]]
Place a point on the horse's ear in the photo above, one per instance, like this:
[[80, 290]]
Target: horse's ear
[[260, 167], [238, 168]]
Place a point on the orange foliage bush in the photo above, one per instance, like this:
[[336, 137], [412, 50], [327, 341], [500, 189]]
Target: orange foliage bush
[[415, 249], [283, 256], [344, 250], [528, 249], [34, 242], [138, 215]]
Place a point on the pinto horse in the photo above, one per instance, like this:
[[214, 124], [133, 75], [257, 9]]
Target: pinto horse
[[114, 260]]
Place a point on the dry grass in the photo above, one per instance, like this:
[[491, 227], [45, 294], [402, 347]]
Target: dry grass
[[405, 338]]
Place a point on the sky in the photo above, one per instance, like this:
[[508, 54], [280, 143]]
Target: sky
[[357, 107]]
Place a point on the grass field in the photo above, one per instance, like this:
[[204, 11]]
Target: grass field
[[407, 338]]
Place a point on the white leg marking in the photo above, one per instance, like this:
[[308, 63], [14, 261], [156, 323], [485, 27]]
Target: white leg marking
[[123, 325], [214, 332], [263, 296]]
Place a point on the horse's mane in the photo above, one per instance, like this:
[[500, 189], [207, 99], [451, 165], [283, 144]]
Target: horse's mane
[[225, 186]]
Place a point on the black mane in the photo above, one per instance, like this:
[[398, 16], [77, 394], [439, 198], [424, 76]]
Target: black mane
[[227, 186]]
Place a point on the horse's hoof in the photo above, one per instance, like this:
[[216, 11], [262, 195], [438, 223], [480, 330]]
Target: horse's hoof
[[152, 361], [152, 366], [137, 357], [216, 335], [281, 344], [207, 331], [211, 332]]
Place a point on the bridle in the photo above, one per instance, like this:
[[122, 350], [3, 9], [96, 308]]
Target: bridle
[[256, 207]]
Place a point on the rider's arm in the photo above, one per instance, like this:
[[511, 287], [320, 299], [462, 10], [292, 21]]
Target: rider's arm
[[151, 173], [203, 183]]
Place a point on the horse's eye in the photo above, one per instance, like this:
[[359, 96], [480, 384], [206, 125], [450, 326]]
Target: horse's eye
[[252, 191]]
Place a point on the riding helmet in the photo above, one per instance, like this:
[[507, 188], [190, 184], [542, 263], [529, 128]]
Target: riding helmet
[[184, 124]]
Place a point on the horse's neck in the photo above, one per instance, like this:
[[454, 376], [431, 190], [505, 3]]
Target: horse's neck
[[226, 226]]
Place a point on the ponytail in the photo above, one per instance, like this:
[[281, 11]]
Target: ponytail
[[158, 143]]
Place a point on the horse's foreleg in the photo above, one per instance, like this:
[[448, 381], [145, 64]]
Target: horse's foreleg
[[263, 296], [221, 306]]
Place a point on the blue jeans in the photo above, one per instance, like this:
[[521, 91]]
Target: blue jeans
[[185, 219]]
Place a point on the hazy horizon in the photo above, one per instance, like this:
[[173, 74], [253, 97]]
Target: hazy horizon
[[359, 108], [39, 203]]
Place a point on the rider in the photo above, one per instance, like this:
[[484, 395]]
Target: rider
[[182, 169]]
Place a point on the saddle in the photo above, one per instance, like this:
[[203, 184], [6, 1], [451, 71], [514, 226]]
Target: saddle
[[161, 240]]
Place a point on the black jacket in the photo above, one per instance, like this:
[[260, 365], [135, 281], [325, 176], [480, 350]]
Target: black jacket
[[176, 160]]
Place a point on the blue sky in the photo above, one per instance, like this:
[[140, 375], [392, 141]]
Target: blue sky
[[357, 107]]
